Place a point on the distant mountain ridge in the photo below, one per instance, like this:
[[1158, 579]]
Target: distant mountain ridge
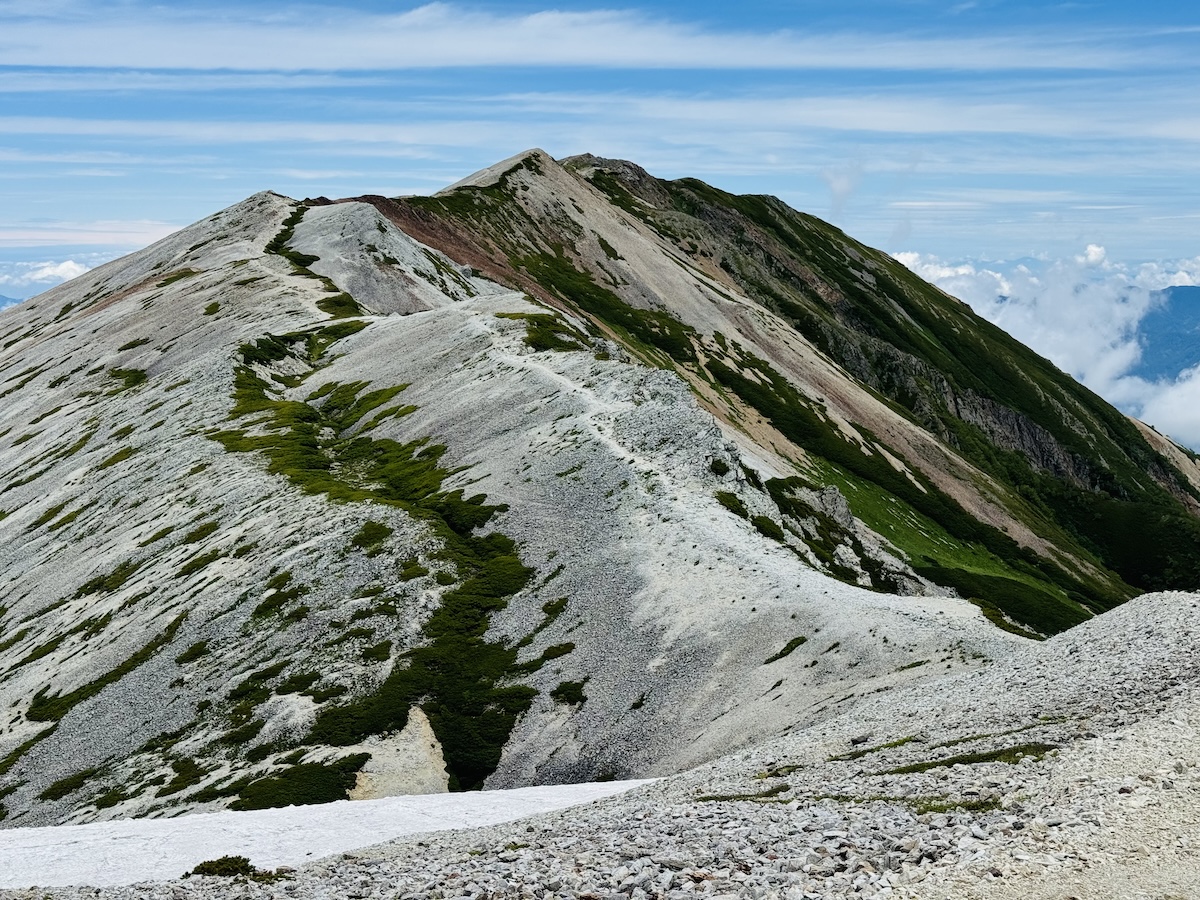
[[1170, 334], [564, 473]]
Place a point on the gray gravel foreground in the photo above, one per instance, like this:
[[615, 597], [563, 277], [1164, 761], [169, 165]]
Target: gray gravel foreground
[[1068, 770]]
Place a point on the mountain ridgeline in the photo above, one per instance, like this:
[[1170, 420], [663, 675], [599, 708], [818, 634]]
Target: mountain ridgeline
[[1062, 467], [563, 473]]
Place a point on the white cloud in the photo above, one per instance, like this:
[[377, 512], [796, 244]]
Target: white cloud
[[440, 34], [107, 158], [25, 278], [1093, 256], [1174, 407], [1083, 314], [966, 281], [52, 272]]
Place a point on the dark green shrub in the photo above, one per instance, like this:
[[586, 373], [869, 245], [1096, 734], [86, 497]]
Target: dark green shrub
[[193, 653], [733, 503], [68, 785], [648, 328], [370, 535], [200, 533], [549, 654], [787, 649], [225, 867], [570, 693], [298, 682], [187, 773], [380, 652], [609, 250], [157, 536], [462, 681], [412, 569], [46, 707], [303, 785], [281, 597], [1029, 605], [177, 276], [354, 634], [118, 457], [322, 695], [243, 734], [254, 681], [129, 378], [1010, 755], [47, 516], [768, 528], [111, 798], [548, 332], [196, 563], [339, 306]]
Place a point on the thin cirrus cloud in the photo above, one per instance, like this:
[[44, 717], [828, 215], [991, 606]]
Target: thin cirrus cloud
[[21, 156], [477, 116], [445, 132], [29, 81], [895, 113], [111, 233], [921, 110], [446, 35]]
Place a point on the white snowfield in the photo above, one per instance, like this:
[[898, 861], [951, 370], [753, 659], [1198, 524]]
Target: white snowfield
[[138, 850]]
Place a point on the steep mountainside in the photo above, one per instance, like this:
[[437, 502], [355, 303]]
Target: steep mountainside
[[765, 311], [564, 473]]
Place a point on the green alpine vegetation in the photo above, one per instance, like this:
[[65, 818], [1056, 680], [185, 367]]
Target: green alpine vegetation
[[1062, 462], [459, 678]]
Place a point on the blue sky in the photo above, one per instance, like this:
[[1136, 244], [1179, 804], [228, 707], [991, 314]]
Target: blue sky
[[984, 134]]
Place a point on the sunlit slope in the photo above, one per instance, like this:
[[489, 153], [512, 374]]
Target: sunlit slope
[[989, 470], [297, 507]]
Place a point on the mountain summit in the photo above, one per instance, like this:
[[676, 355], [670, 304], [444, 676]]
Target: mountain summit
[[563, 473]]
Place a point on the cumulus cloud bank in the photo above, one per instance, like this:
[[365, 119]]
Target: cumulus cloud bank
[[1083, 313], [26, 278]]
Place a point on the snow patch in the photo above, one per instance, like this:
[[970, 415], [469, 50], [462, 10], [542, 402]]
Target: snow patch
[[127, 852]]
